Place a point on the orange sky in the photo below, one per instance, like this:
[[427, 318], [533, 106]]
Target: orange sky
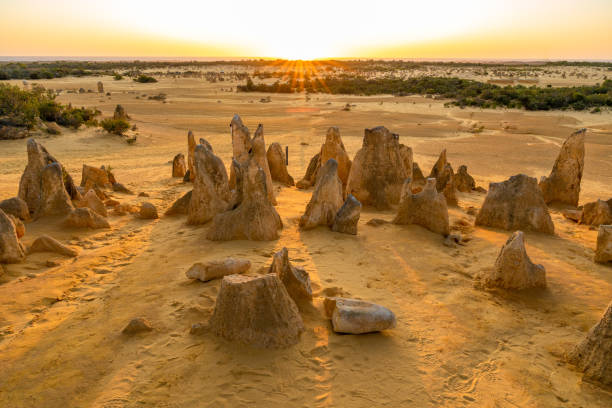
[[528, 29]]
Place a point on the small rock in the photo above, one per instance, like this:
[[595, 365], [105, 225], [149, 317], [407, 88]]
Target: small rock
[[347, 218], [148, 211], [198, 329], [120, 188], [137, 325], [85, 218], [572, 215], [296, 280], [377, 222], [218, 269], [180, 206], [452, 240], [16, 207], [46, 243], [603, 253], [357, 316], [143, 195]]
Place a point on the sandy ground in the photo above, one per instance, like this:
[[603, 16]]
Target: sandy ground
[[60, 326]]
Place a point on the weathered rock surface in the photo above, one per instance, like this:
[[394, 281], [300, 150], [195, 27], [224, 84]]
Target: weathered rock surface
[[378, 171], [54, 199], [85, 218], [148, 211], [19, 226], [241, 145], [254, 218], [120, 113], [218, 269], [427, 208], [310, 177], [563, 183], [16, 207], [513, 268], [180, 206], [94, 177], [179, 166], [417, 175], [572, 215], [596, 213], [258, 154], [11, 250], [516, 204], [45, 243], [256, 311], [40, 194], [296, 280], [91, 200], [347, 217], [357, 316], [136, 326], [120, 188], [191, 145], [407, 157], [211, 194], [463, 181], [278, 168], [440, 171], [326, 200], [333, 148], [603, 252], [450, 191], [593, 355]]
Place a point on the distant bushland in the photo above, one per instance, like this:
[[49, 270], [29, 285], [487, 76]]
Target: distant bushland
[[25, 108], [463, 92]]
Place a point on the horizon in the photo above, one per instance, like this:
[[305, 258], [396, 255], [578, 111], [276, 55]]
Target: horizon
[[473, 30]]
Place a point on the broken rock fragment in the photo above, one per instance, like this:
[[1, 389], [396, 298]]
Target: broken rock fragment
[[357, 316], [218, 269]]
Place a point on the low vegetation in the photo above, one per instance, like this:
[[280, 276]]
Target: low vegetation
[[26, 108], [145, 79], [115, 126], [464, 92]]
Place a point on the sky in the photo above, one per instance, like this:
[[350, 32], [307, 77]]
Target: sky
[[309, 29]]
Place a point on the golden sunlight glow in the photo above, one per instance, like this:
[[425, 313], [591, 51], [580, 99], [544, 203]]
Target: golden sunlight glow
[[308, 30]]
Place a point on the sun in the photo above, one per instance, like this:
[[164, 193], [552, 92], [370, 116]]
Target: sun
[[297, 48]]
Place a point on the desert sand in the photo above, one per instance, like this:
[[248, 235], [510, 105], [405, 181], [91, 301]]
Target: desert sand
[[454, 345]]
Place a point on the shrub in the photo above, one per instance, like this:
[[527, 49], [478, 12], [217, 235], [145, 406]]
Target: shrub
[[115, 126], [117, 76], [21, 107], [144, 79]]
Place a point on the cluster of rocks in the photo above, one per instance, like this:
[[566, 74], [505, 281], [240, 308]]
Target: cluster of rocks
[[240, 206], [47, 189], [327, 205], [264, 310], [333, 148]]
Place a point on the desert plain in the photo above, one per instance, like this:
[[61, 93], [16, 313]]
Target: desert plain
[[61, 319]]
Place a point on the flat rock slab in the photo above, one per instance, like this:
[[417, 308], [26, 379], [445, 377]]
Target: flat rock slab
[[357, 316], [218, 269], [46, 243]]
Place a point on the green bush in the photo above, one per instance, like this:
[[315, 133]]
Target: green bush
[[117, 76], [115, 126], [145, 79], [21, 107]]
